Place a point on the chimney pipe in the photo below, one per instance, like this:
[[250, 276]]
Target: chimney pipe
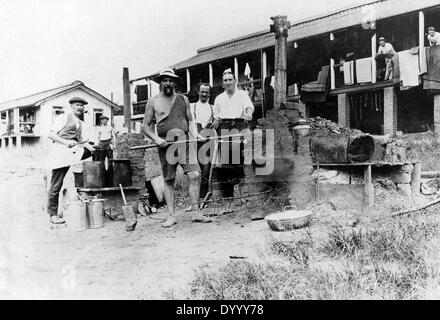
[[127, 106]]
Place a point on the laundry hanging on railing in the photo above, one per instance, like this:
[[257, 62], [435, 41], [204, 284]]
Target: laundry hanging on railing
[[431, 80], [247, 71], [316, 91], [141, 91], [321, 84], [348, 73], [409, 67], [363, 70]]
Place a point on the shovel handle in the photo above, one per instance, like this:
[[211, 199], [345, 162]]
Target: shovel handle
[[123, 195]]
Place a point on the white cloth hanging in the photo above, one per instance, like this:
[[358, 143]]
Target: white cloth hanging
[[247, 71]]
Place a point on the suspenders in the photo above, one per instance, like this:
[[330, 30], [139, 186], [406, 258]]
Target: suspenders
[[195, 111]]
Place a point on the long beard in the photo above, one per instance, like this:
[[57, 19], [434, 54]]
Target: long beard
[[168, 91]]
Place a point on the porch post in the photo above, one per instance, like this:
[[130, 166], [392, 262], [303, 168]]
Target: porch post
[[422, 53], [236, 68], [188, 81], [437, 115], [373, 58], [332, 67], [16, 121], [211, 75], [264, 66]]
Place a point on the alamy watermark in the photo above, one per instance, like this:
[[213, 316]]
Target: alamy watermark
[[229, 147]]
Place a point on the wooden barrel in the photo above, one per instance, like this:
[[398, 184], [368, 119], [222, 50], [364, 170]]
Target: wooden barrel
[[329, 149]]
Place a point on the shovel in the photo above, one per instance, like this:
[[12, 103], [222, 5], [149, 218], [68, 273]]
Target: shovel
[[129, 215]]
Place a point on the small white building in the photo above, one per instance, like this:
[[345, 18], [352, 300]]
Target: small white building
[[27, 120]]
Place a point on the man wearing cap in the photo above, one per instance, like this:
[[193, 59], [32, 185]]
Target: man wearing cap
[[433, 37], [386, 50], [106, 137], [68, 148], [172, 114]]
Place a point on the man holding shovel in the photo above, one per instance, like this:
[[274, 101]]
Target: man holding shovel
[[172, 115], [68, 148]]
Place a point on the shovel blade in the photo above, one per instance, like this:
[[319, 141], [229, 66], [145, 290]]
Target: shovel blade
[[130, 218]]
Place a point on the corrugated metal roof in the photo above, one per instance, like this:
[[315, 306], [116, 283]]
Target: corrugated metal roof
[[40, 97], [322, 24]]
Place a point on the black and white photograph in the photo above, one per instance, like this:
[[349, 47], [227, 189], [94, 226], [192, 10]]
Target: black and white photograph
[[211, 151]]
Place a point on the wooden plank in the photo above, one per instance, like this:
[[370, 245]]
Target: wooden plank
[[369, 187], [365, 87], [360, 164], [106, 189]]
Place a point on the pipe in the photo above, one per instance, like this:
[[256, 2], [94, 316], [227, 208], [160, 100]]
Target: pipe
[[430, 174], [127, 106]]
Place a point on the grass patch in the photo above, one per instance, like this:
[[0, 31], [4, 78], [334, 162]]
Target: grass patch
[[423, 147], [395, 260]]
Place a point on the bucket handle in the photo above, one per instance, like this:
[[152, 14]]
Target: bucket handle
[[291, 207]]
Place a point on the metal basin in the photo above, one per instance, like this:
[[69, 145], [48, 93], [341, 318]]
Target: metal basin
[[289, 220]]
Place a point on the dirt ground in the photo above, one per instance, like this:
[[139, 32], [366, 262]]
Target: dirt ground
[[38, 262]]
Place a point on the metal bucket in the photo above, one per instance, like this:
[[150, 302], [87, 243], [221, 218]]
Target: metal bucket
[[75, 215], [95, 213], [93, 174]]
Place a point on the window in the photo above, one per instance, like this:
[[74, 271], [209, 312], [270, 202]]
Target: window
[[97, 113], [56, 111]]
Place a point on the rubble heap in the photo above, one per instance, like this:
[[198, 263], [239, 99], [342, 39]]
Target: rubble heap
[[318, 123]]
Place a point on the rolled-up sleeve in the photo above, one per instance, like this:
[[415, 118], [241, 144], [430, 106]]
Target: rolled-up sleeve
[[247, 102]]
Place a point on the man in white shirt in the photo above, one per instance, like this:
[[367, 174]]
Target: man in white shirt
[[202, 110], [106, 138], [433, 37], [386, 49], [232, 103], [66, 132]]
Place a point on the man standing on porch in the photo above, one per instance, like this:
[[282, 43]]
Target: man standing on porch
[[433, 37], [172, 114], [387, 50]]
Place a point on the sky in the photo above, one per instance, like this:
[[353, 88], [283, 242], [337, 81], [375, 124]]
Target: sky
[[49, 43]]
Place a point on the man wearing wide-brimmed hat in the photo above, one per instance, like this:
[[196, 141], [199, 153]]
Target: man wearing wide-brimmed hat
[[66, 133], [172, 114]]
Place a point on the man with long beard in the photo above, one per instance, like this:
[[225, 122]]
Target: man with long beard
[[172, 115]]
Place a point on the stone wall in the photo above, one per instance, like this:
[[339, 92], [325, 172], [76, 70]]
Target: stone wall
[[137, 163], [291, 156]]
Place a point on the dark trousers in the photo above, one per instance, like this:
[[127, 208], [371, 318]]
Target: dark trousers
[[103, 151], [56, 183], [204, 174]]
